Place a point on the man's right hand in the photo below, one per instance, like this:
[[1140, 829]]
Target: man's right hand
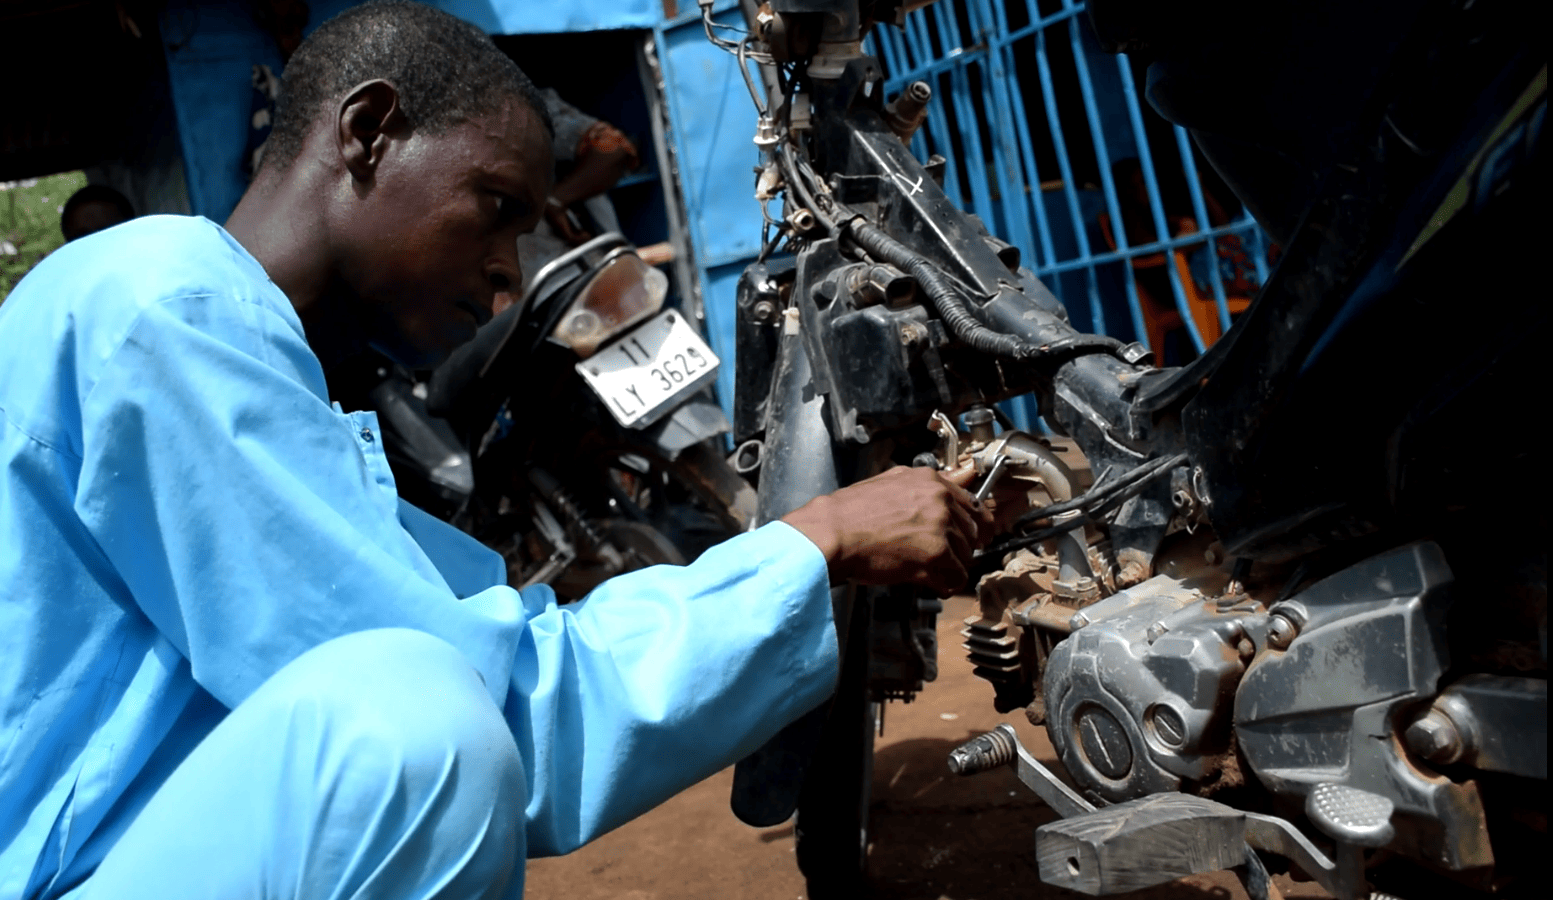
[[904, 526]]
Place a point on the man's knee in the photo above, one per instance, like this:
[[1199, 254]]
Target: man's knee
[[400, 720], [408, 693]]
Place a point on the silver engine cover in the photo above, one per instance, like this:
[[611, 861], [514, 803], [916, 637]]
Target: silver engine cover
[[1145, 693], [1137, 697]]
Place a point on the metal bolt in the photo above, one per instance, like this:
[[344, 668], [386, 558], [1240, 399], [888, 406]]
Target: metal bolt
[[1156, 631], [802, 220], [766, 133], [1435, 738], [982, 424], [1103, 742], [1136, 354], [1281, 632], [1169, 727], [763, 311]]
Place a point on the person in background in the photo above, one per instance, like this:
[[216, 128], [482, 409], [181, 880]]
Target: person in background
[[93, 208], [591, 156]]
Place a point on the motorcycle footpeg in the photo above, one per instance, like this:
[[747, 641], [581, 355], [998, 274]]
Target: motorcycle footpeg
[[1351, 816], [1140, 843]]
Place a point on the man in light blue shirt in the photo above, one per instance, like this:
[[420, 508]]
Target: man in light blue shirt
[[232, 662]]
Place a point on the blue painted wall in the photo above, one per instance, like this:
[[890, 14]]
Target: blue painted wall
[[213, 46]]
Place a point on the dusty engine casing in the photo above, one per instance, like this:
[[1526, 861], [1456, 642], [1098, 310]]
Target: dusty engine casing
[[1172, 684], [1138, 697]]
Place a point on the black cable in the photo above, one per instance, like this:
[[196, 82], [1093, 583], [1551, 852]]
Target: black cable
[[1033, 537], [1301, 572], [946, 301], [1106, 490], [795, 178], [1098, 498]]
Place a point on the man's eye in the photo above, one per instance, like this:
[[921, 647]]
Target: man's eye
[[509, 209]]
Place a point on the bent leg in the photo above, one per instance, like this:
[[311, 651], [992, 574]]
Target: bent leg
[[374, 765]]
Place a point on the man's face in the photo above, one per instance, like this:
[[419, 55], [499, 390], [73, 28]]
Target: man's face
[[432, 238]]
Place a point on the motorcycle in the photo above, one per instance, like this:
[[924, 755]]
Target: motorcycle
[[1269, 612], [573, 434]]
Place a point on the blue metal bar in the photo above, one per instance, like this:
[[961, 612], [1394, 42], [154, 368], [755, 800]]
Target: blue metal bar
[[1041, 247], [1037, 23], [919, 43], [1103, 163], [1200, 212], [1106, 182], [1257, 239], [965, 112], [1006, 149], [930, 65], [1156, 205], [1054, 122], [1133, 252], [934, 49]]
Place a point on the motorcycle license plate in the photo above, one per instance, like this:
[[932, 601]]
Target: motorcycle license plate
[[646, 373]]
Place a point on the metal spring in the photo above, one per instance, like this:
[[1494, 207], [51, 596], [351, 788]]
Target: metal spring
[[983, 752], [552, 491]]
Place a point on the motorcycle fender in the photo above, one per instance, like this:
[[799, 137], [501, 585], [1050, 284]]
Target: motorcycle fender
[[798, 466], [696, 420]]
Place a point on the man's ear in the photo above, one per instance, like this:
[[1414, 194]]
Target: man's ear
[[368, 114]]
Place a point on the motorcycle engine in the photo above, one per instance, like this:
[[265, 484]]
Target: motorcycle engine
[[1137, 697], [1202, 678]]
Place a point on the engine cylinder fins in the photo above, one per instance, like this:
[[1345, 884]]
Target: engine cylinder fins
[[990, 643]]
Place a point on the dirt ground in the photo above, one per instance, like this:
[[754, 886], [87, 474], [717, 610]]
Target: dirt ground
[[936, 836]]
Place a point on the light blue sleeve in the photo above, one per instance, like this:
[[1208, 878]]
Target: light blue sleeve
[[248, 524], [682, 671]]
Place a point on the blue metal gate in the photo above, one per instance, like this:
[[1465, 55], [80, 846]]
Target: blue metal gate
[[1047, 140], [1073, 173]]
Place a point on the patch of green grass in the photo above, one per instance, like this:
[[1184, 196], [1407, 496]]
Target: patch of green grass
[[29, 223]]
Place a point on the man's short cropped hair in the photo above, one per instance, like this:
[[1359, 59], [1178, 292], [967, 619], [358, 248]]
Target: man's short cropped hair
[[92, 193], [446, 71]]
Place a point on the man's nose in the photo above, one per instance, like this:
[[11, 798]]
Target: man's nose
[[504, 277]]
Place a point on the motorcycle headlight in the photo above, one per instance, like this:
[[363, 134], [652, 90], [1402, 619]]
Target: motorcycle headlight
[[623, 292]]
